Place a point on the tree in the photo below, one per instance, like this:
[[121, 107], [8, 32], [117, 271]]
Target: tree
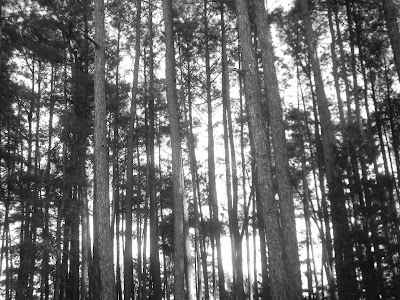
[[212, 189], [102, 207], [128, 264], [154, 252], [177, 174], [280, 288], [276, 124], [391, 17]]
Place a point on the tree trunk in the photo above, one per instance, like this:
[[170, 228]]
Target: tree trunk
[[177, 178], [236, 238], [212, 189], [244, 182], [391, 17], [115, 169], [128, 264], [102, 207], [286, 205], [193, 171], [139, 234], [46, 233], [279, 284], [26, 236], [154, 253], [335, 69]]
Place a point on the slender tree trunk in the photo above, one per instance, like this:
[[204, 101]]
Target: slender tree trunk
[[154, 253], [102, 207], [395, 136], [38, 203], [255, 220], [46, 232], [335, 69], [177, 174], [193, 171], [244, 182], [128, 264], [26, 235], [391, 17], [58, 284], [212, 189], [343, 63], [325, 220], [115, 169], [266, 282], [236, 238], [139, 233]]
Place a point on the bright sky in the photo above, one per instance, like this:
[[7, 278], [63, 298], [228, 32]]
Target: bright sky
[[286, 4]]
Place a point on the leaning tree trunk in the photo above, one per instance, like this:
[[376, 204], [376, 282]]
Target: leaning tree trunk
[[343, 245], [279, 286], [286, 205]]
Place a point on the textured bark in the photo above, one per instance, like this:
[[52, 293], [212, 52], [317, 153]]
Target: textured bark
[[286, 205], [178, 193], [266, 290], [279, 280], [343, 245], [102, 207]]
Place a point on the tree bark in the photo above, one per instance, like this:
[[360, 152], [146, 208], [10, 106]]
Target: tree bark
[[286, 205], [102, 207], [279, 282], [177, 174]]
